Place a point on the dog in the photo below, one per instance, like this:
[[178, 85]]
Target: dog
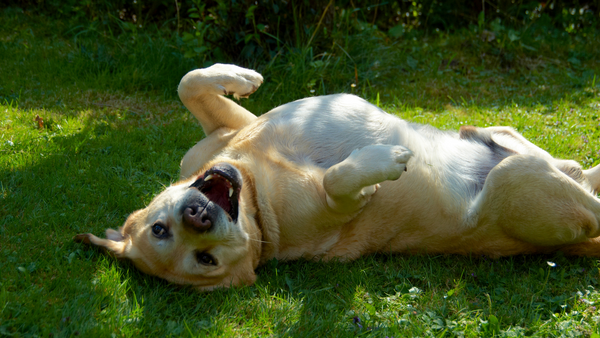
[[335, 177]]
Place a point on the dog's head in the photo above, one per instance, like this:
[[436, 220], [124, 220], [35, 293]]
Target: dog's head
[[196, 232]]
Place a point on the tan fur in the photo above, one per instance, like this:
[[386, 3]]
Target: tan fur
[[397, 193]]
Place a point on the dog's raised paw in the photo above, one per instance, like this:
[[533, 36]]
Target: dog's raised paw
[[237, 81], [221, 79], [401, 155], [388, 162]]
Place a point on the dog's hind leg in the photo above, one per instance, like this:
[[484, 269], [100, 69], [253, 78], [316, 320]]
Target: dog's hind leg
[[593, 176], [510, 138], [201, 92], [350, 184], [530, 200], [509, 141]]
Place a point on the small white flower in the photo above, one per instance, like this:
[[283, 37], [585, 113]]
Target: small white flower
[[552, 264], [414, 289], [10, 143]]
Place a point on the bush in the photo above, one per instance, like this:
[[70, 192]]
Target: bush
[[248, 32]]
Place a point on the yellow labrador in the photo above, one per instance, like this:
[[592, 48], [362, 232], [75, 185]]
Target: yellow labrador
[[336, 177]]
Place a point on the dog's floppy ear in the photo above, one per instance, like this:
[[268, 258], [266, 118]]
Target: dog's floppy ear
[[115, 242]]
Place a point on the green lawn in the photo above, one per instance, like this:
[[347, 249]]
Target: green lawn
[[114, 133]]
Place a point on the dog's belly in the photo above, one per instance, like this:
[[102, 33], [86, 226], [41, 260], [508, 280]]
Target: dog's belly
[[443, 177], [324, 130]]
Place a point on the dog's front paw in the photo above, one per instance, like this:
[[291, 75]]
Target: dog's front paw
[[400, 156], [236, 81], [382, 162], [220, 79]]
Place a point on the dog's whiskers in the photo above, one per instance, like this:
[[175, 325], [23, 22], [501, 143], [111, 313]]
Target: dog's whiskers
[[260, 241]]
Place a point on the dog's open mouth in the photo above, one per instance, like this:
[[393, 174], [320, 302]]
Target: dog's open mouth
[[221, 185]]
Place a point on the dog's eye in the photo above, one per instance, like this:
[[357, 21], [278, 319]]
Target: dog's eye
[[205, 258], [160, 231]]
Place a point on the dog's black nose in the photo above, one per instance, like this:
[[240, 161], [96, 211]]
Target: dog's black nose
[[196, 218]]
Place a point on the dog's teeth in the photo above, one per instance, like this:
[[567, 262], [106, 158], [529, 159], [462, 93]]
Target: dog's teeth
[[230, 191], [208, 178]]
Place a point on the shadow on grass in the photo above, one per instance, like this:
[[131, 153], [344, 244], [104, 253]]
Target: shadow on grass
[[382, 294]]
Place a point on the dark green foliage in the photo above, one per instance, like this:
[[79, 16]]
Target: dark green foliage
[[304, 47], [255, 32]]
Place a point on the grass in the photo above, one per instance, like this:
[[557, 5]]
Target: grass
[[114, 134]]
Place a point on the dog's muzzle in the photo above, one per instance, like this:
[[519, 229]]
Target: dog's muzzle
[[218, 189]]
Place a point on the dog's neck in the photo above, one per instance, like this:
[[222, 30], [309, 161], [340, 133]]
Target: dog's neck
[[260, 217]]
